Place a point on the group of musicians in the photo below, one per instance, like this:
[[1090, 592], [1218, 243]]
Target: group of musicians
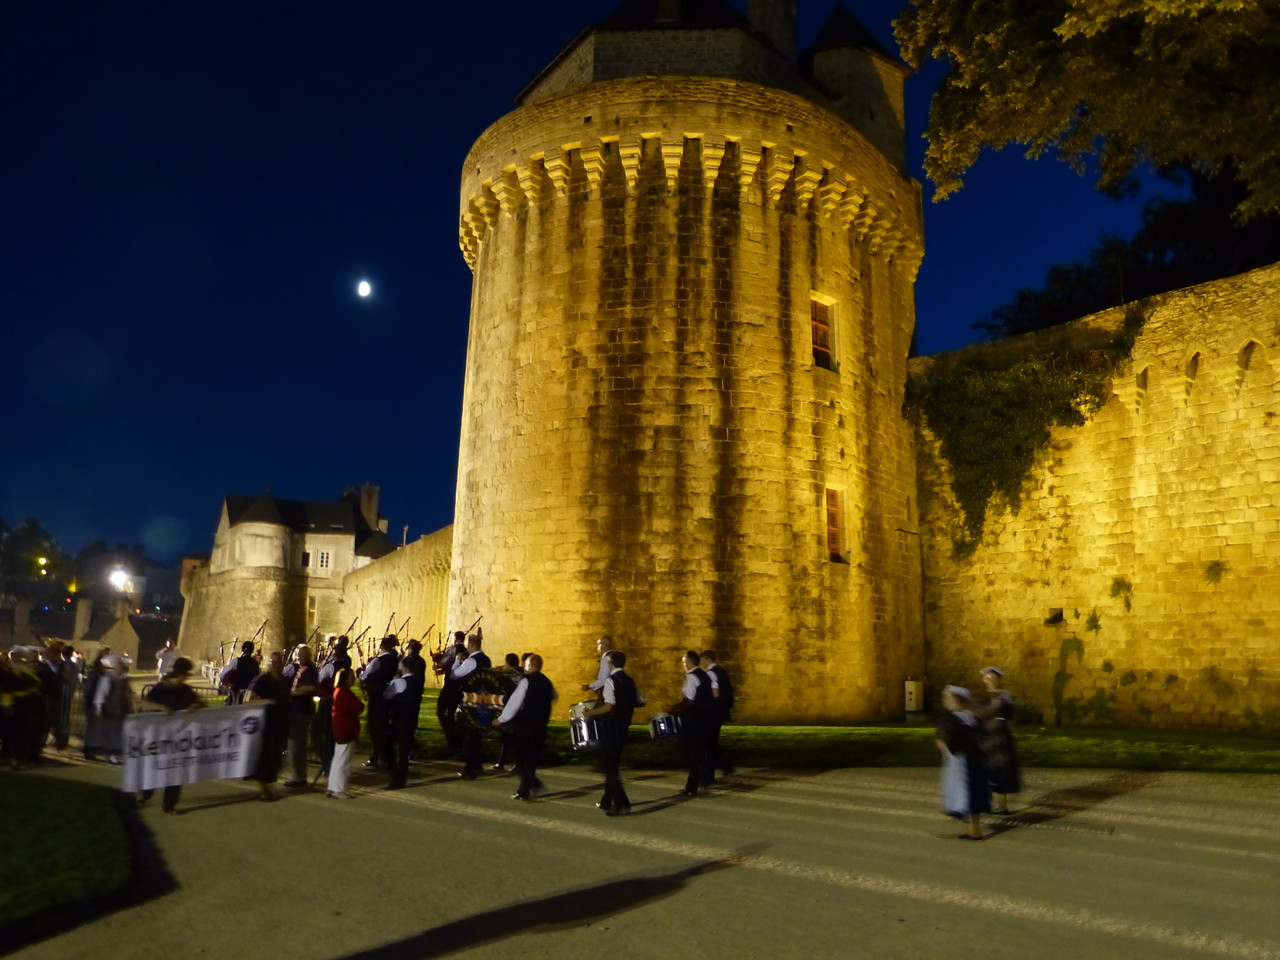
[[515, 700]]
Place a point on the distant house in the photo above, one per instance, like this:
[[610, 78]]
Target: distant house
[[276, 570]]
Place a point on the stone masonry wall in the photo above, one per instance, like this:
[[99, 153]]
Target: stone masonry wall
[[647, 442], [410, 583], [1138, 581]]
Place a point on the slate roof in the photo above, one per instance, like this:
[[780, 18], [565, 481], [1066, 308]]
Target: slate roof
[[337, 517], [843, 30]]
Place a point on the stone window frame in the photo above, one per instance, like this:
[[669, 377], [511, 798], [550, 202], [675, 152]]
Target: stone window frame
[[822, 326], [1246, 359], [1190, 373], [834, 513]]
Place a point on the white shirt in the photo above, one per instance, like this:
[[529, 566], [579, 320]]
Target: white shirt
[[467, 666], [602, 674], [165, 660], [690, 689], [610, 694]]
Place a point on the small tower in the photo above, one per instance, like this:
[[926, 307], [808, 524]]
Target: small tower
[[692, 304]]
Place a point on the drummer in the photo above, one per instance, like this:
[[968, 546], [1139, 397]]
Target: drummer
[[603, 646], [695, 709], [619, 699]]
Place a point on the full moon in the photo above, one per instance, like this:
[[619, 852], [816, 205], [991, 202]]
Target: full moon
[[363, 288]]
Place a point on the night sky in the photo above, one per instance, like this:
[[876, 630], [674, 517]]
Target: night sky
[[190, 191]]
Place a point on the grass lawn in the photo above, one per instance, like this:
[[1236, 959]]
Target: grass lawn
[[900, 745], [63, 844]]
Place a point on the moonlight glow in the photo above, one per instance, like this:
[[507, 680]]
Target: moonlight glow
[[364, 288]]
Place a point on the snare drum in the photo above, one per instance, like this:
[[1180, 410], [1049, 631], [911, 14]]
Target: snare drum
[[664, 726], [584, 733], [578, 710]]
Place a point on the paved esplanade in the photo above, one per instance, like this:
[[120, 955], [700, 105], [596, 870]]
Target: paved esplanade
[[844, 863]]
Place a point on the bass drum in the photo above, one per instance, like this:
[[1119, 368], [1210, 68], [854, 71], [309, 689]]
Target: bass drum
[[483, 692], [664, 726]]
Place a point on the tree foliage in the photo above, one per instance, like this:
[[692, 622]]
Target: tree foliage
[[992, 415], [1119, 82], [1180, 243]]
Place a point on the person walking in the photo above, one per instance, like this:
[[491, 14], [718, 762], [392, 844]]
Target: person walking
[[619, 698], [301, 677], [345, 724], [527, 711], [171, 695]]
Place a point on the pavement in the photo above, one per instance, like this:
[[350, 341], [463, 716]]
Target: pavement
[[775, 864]]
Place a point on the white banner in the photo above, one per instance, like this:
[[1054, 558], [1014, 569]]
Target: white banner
[[169, 749]]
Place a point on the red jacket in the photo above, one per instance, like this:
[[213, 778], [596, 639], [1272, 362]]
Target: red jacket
[[346, 715]]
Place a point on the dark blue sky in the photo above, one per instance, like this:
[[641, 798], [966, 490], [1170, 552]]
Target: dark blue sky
[[190, 192]]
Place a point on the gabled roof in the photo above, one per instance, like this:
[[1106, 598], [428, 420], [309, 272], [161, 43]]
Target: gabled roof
[[374, 544], [845, 31], [262, 509]]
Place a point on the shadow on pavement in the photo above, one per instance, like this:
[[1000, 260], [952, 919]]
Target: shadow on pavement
[[1058, 804], [149, 878], [569, 909]]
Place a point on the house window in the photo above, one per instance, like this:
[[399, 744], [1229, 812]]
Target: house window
[[306, 559], [311, 611], [820, 322], [835, 545], [322, 560]]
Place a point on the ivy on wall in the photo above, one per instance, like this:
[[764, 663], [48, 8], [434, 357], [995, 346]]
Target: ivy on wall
[[992, 414]]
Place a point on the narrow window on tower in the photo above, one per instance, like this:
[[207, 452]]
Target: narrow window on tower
[[311, 611], [835, 537], [820, 320]]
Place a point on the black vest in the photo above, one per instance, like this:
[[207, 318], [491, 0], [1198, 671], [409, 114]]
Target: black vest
[[704, 702], [482, 660], [724, 702], [624, 695], [535, 710]]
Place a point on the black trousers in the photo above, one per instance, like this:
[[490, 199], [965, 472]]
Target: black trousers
[[447, 714], [470, 739], [404, 725], [695, 741], [612, 739], [528, 744], [168, 800], [378, 722]]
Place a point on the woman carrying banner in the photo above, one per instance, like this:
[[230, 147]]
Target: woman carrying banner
[[171, 694]]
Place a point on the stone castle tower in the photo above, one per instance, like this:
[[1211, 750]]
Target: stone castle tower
[[693, 257]]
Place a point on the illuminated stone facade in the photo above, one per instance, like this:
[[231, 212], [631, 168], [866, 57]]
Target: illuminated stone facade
[[650, 441], [1138, 581], [279, 565]]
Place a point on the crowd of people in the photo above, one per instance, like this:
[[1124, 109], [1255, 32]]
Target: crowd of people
[[317, 707], [48, 692]]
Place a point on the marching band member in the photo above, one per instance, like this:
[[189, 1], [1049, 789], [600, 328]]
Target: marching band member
[[527, 710], [619, 699], [696, 710], [603, 646], [379, 672], [476, 659]]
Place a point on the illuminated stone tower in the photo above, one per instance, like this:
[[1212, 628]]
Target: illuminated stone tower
[[693, 257]]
